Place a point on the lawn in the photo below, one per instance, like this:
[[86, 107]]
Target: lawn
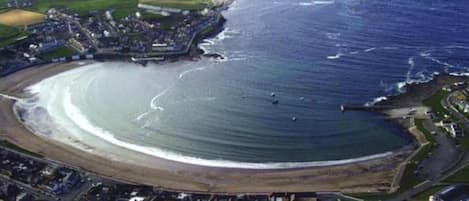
[[435, 103], [122, 8], [409, 179], [181, 4], [8, 35], [462, 176], [11, 146], [423, 196], [61, 52]]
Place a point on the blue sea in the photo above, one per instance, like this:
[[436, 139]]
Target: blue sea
[[313, 55]]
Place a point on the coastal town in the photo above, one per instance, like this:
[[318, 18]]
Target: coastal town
[[436, 113], [151, 33]]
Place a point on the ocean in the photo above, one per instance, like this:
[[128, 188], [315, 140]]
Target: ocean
[[310, 56]]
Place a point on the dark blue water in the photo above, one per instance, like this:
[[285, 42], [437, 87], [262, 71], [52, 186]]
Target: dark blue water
[[314, 55]]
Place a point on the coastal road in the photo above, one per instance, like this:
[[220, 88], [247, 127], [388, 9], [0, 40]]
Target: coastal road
[[444, 153], [451, 167]]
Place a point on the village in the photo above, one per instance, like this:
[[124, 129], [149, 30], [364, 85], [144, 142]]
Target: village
[[28, 177], [437, 171], [151, 33]]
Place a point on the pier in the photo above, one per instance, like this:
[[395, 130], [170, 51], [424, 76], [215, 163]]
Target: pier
[[357, 107], [147, 59]]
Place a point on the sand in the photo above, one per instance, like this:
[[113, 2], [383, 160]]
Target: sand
[[369, 176], [20, 18]]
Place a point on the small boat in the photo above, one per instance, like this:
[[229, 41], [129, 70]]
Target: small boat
[[275, 102], [302, 98], [293, 118], [272, 94]]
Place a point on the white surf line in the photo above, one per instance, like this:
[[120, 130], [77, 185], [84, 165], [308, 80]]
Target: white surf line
[[5, 96]]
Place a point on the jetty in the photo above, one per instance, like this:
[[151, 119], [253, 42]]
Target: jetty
[[358, 107]]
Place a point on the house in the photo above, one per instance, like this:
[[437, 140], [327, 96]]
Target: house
[[294, 197], [452, 128], [451, 193], [50, 46], [463, 106]]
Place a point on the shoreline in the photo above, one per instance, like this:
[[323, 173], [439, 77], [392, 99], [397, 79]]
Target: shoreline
[[185, 177]]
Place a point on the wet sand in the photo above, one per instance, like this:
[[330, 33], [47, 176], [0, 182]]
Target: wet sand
[[368, 176]]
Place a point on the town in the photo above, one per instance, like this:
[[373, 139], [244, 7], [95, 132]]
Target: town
[[151, 33], [438, 170], [29, 177]]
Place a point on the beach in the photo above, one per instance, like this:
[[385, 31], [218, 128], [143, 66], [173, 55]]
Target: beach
[[133, 167]]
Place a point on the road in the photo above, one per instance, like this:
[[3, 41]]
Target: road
[[440, 170]]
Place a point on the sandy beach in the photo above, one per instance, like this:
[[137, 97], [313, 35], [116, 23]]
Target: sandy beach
[[368, 176]]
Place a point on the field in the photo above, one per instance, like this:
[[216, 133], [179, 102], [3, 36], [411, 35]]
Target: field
[[8, 35], [423, 196], [61, 52], [11, 146], [181, 4], [435, 103], [462, 176], [19, 18], [122, 8]]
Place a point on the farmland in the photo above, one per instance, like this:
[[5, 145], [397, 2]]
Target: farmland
[[19, 18], [181, 4], [122, 8], [8, 35]]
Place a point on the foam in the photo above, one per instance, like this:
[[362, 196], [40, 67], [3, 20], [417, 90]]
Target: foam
[[334, 57], [80, 120]]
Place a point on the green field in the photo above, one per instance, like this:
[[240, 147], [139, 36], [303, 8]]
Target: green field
[[423, 196], [462, 176], [8, 35], [409, 179], [181, 4], [122, 8], [61, 52], [11, 146], [435, 103]]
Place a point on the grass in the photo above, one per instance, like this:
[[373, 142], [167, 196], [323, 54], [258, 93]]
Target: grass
[[462, 176], [122, 8], [181, 4], [426, 133], [11, 146], [206, 31], [9, 35], [409, 179], [61, 52], [423, 196], [169, 21], [373, 196], [435, 103], [464, 142]]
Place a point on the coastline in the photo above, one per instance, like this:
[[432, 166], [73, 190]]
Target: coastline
[[368, 175]]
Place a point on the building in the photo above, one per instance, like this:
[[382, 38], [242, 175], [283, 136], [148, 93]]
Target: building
[[50, 46], [463, 106], [451, 193], [452, 128], [293, 197]]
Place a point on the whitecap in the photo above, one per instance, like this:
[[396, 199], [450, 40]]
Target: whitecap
[[337, 56], [376, 100], [370, 49]]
